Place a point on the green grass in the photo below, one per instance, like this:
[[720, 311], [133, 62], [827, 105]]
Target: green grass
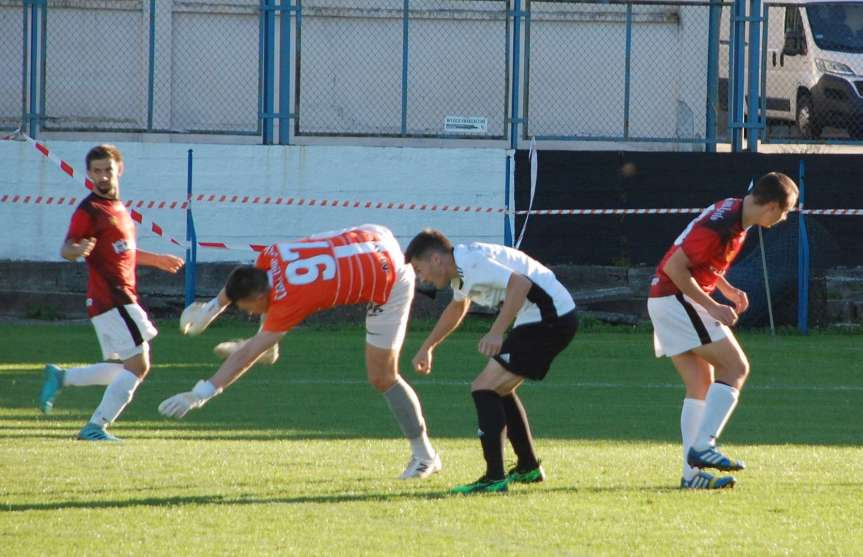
[[301, 458]]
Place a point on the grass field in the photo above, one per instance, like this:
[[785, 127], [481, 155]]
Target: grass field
[[301, 458]]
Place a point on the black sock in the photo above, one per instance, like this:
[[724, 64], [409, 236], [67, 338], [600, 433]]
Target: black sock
[[518, 431], [492, 421]]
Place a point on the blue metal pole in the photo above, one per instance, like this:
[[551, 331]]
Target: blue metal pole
[[285, 74], [33, 126], [191, 238], [405, 26], [627, 71], [269, 69], [714, 15], [516, 56], [24, 61], [738, 48], [754, 119], [802, 260], [151, 70], [763, 97], [507, 225]]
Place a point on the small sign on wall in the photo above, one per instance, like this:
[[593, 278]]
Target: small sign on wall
[[465, 124]]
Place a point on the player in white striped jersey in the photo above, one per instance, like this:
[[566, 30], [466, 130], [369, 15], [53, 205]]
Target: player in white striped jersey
[[544, 322]]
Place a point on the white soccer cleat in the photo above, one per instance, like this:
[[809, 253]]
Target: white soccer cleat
[[225, 349], [421, 468]]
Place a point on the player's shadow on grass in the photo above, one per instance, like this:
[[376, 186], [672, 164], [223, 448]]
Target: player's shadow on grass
[[178, 501]]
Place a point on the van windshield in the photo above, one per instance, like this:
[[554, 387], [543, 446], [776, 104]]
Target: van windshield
[[837, 26]]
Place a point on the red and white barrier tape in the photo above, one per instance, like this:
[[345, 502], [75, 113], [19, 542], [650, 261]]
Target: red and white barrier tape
[[300, 201], [132, 204]]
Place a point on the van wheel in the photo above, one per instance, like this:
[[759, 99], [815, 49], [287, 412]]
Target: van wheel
[[807, 125]]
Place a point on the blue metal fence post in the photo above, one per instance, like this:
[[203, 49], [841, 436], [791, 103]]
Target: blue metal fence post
[[516, 59], [737, 80], [269, 30], [285, 73], [802, 259], [25, 57], [190, 270], [405, 8], [714, 16], [33, 112], [627, 71], [151, 67], [754, 116], [514, 117]]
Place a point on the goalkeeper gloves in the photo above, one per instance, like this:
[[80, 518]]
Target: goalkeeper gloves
[[179, 405], [197, 317]]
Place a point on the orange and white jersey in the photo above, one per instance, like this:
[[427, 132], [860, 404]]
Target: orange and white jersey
[[350, 266]]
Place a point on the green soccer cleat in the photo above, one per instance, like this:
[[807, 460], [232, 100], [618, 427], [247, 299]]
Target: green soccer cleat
[[703, 480], [95, 432], [525, 475], [52, 384], [482, 485]]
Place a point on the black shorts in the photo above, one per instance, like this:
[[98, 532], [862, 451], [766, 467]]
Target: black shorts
[[529, 349]]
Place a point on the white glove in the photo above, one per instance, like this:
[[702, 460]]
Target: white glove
[[197, 317], [179, 405], [225, 349]]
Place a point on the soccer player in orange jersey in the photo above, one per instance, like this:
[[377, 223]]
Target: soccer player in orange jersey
[[292, 280], [102, 232], [692, 328]]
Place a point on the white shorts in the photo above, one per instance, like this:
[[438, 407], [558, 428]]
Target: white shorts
[[123, 332], [680, 324], [387, 323]]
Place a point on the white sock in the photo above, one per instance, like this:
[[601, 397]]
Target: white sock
[[421, 447], [690, 420], [719, 404], [96, 374], [116, 397]]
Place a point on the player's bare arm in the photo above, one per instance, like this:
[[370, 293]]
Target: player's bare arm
[[231, 369], [164, 261], [735, 295], [73, 249], [516, 293], [677, 268], [449, 320]]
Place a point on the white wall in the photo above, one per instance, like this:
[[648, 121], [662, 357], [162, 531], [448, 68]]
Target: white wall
[[157, 171]]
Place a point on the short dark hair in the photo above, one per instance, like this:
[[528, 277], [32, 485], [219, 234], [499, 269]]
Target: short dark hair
[[246, 281], [427, 242], [104, 151], [775, 186]]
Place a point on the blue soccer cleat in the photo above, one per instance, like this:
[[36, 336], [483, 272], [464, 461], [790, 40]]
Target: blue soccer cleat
[[95, 432], [703, 480], [52, 384], [712, 458]]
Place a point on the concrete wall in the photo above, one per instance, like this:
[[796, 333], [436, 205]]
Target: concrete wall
[[157, 172]]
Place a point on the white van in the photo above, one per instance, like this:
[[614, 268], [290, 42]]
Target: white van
[[814, 64]]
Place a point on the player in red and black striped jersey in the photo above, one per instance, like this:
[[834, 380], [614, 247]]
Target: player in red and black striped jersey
[[692, 328], [102, 232], [292, 280]]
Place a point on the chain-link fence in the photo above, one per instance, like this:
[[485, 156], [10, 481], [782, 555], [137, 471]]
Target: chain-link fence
[[13, 64], [209, 77], [374, 68], [137, 65], [617, 71], [95, 65]]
